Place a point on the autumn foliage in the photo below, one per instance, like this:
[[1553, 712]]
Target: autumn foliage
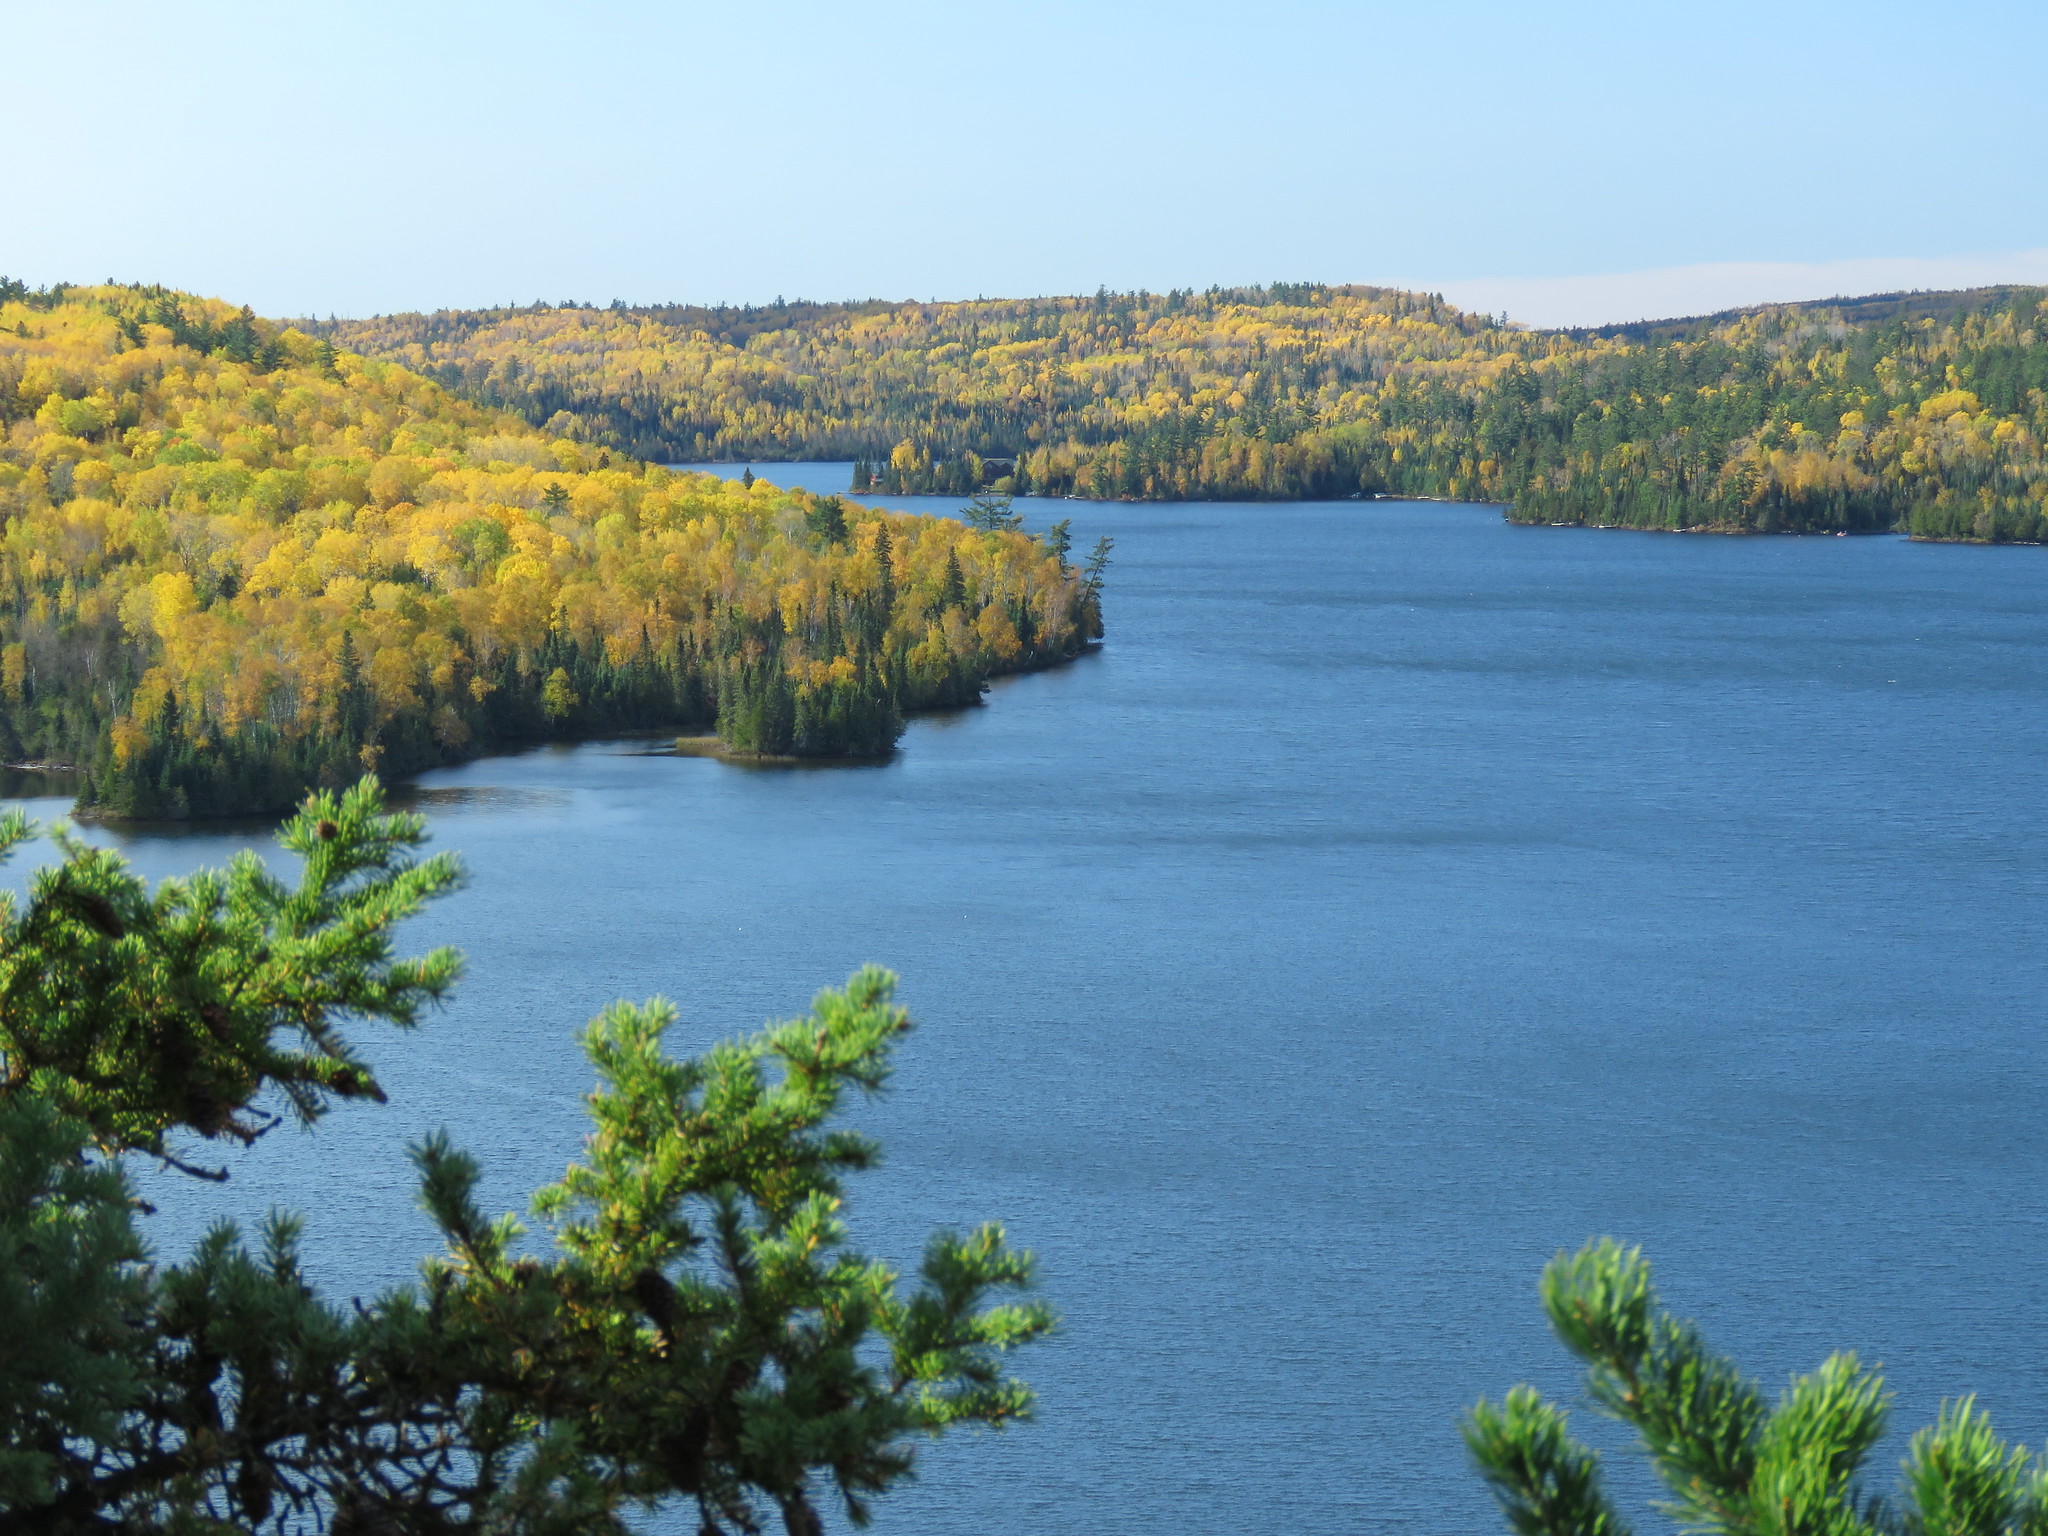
[[238, 563], [1924, 413]]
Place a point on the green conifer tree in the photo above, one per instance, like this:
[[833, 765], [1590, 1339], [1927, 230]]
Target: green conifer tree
[[1735, 1464], [1091, 585], [826, 519], [992, 512], [699, 1336]]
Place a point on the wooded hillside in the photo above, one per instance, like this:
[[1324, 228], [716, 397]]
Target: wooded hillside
[[1919, 412], [238, 562]]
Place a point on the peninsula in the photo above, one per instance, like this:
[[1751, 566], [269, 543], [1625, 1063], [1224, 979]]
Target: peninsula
[[240, 563]]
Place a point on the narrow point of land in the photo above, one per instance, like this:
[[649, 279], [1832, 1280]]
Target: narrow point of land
[[244, 563]]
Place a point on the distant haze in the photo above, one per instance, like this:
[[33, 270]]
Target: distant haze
[[384, 156], [1669, 292]]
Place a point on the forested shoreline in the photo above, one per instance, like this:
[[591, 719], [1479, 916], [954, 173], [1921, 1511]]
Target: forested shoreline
[[1920, 413], [239, 563], [243, 559]]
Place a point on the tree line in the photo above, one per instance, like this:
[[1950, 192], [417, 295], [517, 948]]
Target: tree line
[[1921, 413], [236, 563]]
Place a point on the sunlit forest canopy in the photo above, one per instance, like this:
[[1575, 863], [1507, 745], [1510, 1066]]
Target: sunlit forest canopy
[[239, 561], [1922, 412]]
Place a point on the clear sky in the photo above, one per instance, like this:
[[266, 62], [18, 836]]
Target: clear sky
[[375, 156]]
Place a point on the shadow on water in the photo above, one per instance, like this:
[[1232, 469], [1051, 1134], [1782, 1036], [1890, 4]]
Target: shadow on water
[[36, 784], [429, 798]]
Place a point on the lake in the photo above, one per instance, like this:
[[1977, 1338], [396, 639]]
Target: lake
[[1397, 897]]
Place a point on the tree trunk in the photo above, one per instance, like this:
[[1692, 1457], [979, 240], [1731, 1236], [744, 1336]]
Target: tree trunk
[[798, 1518]]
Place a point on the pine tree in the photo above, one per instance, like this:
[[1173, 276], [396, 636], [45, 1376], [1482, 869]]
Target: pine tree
[[1059, 539], [1734, 1463], [699, 1337], [992, 512], [1091, 587], [826, 519]]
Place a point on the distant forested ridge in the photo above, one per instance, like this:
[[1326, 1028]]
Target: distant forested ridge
[[237, 562], [1923, 412]]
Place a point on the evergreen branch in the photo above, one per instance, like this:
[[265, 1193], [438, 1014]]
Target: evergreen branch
[[1546, 1482]]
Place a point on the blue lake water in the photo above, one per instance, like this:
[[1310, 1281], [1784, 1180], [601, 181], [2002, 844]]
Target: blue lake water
[[1396, 898]]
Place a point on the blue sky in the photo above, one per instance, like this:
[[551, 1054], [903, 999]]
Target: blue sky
[[380, 156]]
